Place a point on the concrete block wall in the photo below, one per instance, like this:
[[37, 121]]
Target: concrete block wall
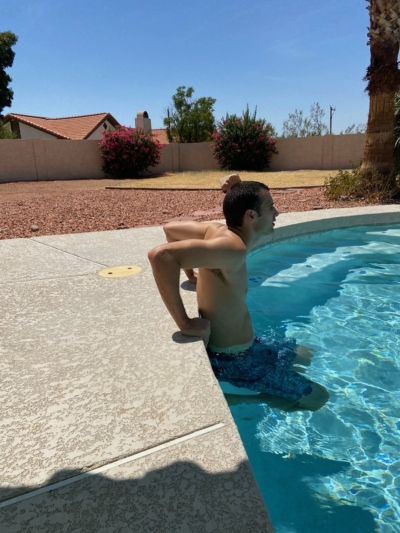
[[319, 153], [42, 159], [182, 157]]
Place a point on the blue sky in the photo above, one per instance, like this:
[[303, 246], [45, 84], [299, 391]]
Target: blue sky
[[79, 57]]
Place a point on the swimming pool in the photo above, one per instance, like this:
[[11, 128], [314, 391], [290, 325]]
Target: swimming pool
[[337, 469]]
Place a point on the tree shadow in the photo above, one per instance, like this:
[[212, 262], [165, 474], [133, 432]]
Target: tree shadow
[[180, 497]]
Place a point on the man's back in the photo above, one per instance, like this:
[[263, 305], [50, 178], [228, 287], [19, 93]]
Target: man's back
[[221, 295], [219, 252]]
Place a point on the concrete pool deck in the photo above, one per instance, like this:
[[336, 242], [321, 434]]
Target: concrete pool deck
[[110, 419]]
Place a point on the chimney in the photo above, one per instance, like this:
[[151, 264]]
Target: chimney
[[142, 121]]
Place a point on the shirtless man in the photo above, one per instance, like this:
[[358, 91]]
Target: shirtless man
[[219, 252]]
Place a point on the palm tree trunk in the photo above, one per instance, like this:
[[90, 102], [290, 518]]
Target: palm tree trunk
[[383, 78], [378, 155]]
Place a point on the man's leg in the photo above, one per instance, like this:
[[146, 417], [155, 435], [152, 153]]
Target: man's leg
[[312, 402], [303, 357]]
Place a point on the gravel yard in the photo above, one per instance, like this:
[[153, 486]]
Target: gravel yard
[[79, 206]]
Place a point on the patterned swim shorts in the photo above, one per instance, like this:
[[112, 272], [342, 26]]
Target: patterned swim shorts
[[264, 367]]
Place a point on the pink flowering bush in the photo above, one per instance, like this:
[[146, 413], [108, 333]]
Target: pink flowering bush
[[127, 152], [244, 143]]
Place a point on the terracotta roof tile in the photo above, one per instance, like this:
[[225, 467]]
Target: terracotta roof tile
[[79, 127], [160, 135]]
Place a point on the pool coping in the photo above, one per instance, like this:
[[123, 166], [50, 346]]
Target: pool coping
[[290, 225], [206, 436]]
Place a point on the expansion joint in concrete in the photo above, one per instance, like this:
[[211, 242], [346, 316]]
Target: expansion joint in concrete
[[32, 239], [109, 466]]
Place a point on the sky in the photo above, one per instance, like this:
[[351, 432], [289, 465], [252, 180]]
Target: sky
[[79, 57]]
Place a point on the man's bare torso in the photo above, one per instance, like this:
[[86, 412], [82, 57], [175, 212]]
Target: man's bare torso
[[221, 296]]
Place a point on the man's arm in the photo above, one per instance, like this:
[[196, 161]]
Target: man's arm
[[167, 261], [179, 231]]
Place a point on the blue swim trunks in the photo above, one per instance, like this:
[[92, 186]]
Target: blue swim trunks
[[264, 367]]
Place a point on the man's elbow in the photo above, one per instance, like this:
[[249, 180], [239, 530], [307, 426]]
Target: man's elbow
[[152, 255], [158, 256], [168, 230]]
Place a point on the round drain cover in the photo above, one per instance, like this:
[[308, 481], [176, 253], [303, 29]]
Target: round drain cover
[[120, 271]]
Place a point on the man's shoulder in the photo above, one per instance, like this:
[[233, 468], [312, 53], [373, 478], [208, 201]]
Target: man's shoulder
[[216, 230], [232, 239], [228, 246]]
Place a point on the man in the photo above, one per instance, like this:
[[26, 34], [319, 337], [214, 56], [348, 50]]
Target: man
[[219, 252]]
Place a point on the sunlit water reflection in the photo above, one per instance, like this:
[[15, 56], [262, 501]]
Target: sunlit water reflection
[[339, 294]]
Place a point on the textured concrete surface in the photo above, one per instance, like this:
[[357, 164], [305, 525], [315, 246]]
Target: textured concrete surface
[[98, 389], [27, 260], [94, 371], [87, 383], [201, 485]]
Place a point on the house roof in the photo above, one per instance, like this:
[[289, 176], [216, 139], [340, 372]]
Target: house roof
[[160, 135], [77, 128]]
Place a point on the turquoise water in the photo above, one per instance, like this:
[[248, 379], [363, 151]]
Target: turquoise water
[[337, 469]]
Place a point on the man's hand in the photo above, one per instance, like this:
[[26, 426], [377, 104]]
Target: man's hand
[[197, 327], [191, 275]]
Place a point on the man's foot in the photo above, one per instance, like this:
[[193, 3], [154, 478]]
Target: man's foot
[[312, 402], [191, 275]]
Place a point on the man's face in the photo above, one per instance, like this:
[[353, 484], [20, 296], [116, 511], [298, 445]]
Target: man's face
[[267, 214]]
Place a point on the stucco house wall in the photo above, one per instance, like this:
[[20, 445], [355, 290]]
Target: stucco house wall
[[98, 133], [28, 132]]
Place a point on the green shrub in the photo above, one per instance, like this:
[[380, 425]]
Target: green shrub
[[6, 133], [351, 184], [244, 143], [345, 183], [127, 152]]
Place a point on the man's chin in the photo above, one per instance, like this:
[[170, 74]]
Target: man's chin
[[269, 232]]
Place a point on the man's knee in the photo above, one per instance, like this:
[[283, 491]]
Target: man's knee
[[316, 399]]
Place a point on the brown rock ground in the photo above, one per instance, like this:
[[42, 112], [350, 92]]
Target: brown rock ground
[[60, 207]]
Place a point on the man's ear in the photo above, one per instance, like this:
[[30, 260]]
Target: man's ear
[[249, 215]]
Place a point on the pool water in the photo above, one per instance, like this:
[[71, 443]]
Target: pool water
[[337, 469]]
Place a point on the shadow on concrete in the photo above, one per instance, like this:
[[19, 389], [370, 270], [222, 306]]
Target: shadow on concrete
[[188, 286], [184, 339], [181, 497]]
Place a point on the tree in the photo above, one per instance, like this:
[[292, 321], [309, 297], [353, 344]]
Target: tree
[[316, 116], [299, 126], [383, 80], [397, 132], [7, 41], [5, 132], [187, 120], [354, 129], [244, 143]]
